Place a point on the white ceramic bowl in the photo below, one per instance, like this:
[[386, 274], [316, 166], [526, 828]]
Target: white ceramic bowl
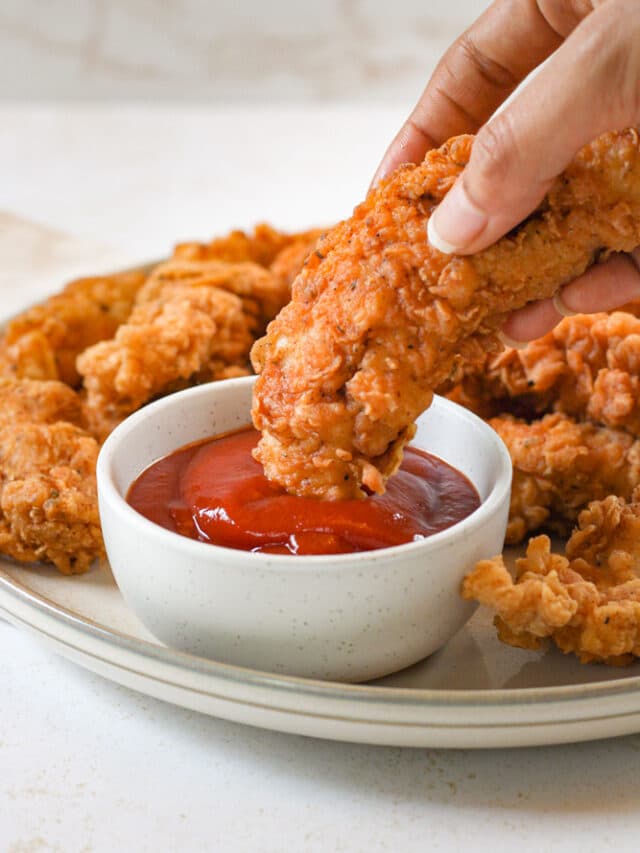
[[344, 617]]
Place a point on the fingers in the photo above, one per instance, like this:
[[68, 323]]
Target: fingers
[[475, 75], [409, 145], [603, 287], [586, 88], [529, 323]]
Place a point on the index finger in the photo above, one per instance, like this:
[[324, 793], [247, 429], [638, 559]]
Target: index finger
[[477, 73]]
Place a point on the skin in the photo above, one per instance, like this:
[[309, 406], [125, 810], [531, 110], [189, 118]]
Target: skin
[[590, 84]]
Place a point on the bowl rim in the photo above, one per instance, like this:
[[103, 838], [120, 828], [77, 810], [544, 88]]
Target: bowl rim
[[108, 493]]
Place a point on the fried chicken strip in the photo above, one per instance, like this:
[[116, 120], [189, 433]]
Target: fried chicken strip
[[378, 318], [587, 601], [258, 268], [587, 367], [262, 292], [559, 466], [44, 341], [48, 497], [260, 247], [33, 401], [289, 261], [188, 335]]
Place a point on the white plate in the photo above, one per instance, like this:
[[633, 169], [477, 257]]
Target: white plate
[[473, 693]]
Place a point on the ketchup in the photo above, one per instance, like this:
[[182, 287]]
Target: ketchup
[[216, 492]]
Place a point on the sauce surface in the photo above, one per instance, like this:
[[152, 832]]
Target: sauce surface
[[215, 491]]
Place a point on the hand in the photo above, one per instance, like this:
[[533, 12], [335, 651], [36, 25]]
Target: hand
[[590, 84]]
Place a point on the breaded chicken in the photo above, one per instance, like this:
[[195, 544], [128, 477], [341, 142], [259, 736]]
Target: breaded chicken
[[262, 293], [587, 601], [44, 341], [378, 318], [559, 466], [189, 335], [260, 247], [38, 402], [48, 499], [289, 261], [587, 367]]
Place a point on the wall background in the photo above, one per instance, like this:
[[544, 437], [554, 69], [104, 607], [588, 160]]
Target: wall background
[[225, 50]]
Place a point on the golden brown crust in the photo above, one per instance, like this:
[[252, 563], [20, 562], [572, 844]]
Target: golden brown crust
[[587, 601], [184, 337], [289, 261], [587, 367], [378, 318], [260, 246], [34, 401], [262, 293], [192, 320], [560, 465], [44, 342], [48, 499]]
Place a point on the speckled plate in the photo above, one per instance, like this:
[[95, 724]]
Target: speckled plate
[[473, 693]]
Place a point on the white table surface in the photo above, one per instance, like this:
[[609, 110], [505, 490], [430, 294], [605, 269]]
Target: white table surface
[[86, 765]]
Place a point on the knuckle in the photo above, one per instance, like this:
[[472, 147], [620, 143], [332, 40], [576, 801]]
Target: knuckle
[[564, 15], [492, 72]]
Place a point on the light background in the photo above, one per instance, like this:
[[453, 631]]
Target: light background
[[225, 50], [85, 764]]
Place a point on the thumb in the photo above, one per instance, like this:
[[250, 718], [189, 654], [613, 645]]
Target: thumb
[[585, 89]]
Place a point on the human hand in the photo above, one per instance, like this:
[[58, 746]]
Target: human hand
[[590, 84]]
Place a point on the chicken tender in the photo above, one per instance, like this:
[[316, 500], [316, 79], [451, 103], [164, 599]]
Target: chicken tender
[[262, 293], [191, 335], [44, 342], [38, 402], [587, 367], [290, 260], [559, 466], [586, 601], [378, 318], [260, 247], [48, 498]]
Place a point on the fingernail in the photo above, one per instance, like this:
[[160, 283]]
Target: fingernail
[[561, 307], [455, 222], [436, 240], [511, 342]]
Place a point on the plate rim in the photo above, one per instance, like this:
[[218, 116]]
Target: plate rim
[[15, 595], [410, 697]]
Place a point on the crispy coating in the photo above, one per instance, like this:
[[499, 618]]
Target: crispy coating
[[26, 400], [289, 261], [44, 341], [260, 247], [559, 466], [587, 601], [262, 293], [189, 335], [378, 318], [193, 321], [587, 367], [48, 498]]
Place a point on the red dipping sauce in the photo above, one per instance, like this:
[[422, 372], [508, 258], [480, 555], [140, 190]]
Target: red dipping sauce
[[215, 491]]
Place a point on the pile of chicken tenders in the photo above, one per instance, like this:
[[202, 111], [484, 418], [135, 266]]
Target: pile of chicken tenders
[[352, 331]]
